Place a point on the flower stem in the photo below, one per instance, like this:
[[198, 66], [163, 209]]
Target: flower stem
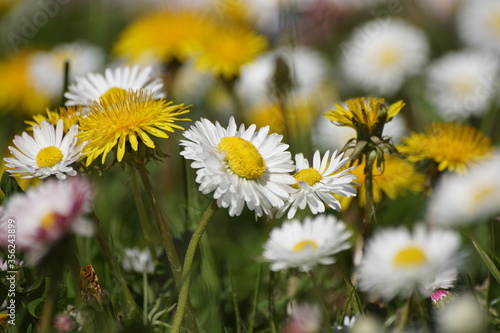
[[255, 300], [369, 203], [168, 243], [145, 297], [357, 306], [188, 262]]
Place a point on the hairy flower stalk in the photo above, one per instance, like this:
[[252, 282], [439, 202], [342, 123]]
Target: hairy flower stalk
[[188, 262], [368, 117]]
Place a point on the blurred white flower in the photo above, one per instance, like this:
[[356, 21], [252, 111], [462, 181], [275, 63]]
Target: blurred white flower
[[479, 24], [304, 245], [397, 262], [138, 261], [45, 214], [47, 68], [382, 53], [460, 199], [308, 71], [462, 315], [462, 83]]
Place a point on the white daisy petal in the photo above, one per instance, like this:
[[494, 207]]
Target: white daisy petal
[[259, 176], [90, 88], [49, 153]]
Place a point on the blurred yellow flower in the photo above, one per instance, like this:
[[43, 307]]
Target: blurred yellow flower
[[166, 36], [121, 116], [69, 114], [230, 49], [16, 89], [362, 111], [454, 147], [397, 177]]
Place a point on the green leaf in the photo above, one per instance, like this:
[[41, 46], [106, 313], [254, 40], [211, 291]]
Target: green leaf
[[487, 260], [33, 306], [9, 185]]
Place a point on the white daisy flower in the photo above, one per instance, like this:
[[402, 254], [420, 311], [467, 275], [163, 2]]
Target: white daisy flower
[[460, 199], [304, 245], [138, 261], [397, 262], [317, 184], [48, 152], [90, 88], [56, 208], [462, 83], [47, 68], [242, 166], [463, 314], [479, 24], [381, 54]]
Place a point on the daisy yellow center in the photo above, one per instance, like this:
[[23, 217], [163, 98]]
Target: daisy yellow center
[[48, 156], [311, 176], [242, 157], [388, 56], [462, 87], [411, 256], [48, 220], [113, 91], [305, 244]]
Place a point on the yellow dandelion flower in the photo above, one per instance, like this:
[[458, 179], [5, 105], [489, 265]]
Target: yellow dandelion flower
[[165, 35], [454, 147], [230, 49], [362, 111], [70, 116], [397, 177], [16, 88], [121, 116]]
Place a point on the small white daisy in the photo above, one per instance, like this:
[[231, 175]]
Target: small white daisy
[[88, 89], [461, 199], [381, 54], [48, 152], [242, 166], [47, 68], [138, 261], [317, 185], [304, 245], [56, 208], [479, 24], [397, 262], [462, 83]]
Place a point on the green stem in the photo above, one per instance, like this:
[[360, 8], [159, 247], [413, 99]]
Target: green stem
[[255, 300], [234, 298], [188, 262], [319, 296], [369, 203], [145, 297], [272, 325], [168, 243], [405, 316], [357, 306], [48, 307], [149, 233]]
